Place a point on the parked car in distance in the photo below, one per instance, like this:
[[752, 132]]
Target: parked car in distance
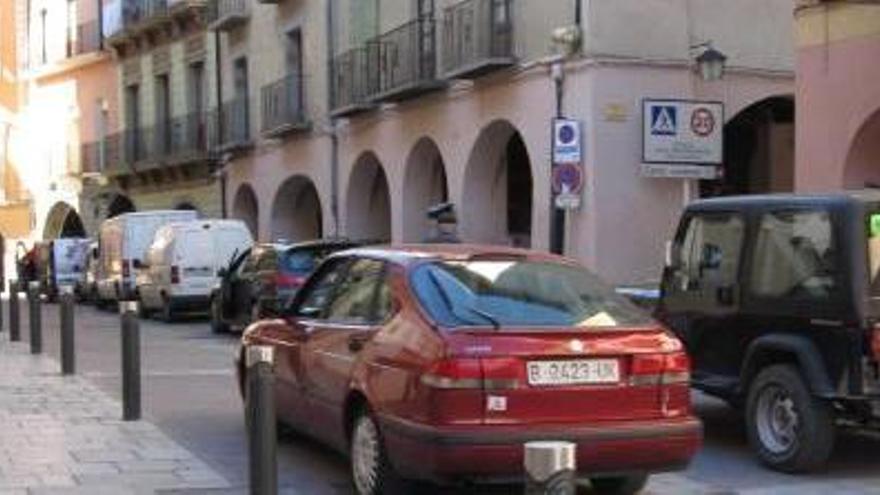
[[123, 244], [776, 299], [261, 281], [181, 264], [438, 362], [86, 288]]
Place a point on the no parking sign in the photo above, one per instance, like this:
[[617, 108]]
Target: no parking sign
[[567, 141]]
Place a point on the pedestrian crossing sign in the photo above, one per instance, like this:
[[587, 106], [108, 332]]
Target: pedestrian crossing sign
[[664, 120]]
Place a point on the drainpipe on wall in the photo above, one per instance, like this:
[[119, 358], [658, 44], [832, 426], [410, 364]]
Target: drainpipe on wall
[[218, 73], [334, 139]]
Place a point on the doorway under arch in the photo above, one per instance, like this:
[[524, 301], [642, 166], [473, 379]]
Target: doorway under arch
[[497, 204], [758, 150], [368, 211], [120, 204], [296, 211], [246, 208], [424, 185], [862, 168]]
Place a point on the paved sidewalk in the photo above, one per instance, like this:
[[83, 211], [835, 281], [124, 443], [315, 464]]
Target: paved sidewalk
[[62, 435]]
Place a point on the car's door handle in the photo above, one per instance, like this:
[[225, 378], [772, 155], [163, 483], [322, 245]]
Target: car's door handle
[[357, 341]]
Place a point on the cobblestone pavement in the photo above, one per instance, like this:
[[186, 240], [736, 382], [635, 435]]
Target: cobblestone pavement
[[62, 435]]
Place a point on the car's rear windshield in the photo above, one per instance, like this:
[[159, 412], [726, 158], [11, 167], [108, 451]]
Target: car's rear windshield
[[520, 293], [301, 262]]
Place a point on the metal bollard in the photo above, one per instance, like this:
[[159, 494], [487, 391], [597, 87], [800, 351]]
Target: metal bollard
[[550, 468], [35, 315], [260, 395], [131, 361], [14, 313], [68, 342]]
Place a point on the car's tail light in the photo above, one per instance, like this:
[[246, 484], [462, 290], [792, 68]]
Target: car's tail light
[[875, 343], [660, 369], [175, 274], [126, 268], [671, 373], [285, 280], [454, 391]]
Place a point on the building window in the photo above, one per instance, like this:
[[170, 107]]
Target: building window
[[43, 54], [71, 28], [239, 112], [294, 52], [163, 114]]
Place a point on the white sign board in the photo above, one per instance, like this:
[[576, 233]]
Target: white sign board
[[683, 132], [567, 141]]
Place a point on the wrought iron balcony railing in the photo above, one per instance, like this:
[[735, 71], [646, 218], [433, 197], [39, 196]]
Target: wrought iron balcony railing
[[135, 12], [477, 37], [235, 124], [224, 15], [88, 39], [407, 57], [283, 105], [191, 138], [353, 81]]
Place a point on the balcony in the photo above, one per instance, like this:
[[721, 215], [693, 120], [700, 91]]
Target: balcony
[[234, 132], [88, 40], [125, 20], [191, 139], [353, 81], [284, 107], [104, 156], [407, 61], [477, 38], [225, 15]]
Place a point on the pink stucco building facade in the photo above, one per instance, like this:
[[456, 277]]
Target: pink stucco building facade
[[838, 95]]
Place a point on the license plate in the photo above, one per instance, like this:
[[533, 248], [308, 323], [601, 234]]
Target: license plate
[[574, 372]]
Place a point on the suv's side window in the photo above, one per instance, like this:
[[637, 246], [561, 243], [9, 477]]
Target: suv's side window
[[268, 261], [250, 264], [706, 259], [794, 255], [356, 300]]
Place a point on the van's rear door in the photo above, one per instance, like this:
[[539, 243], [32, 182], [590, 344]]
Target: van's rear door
[[193, 257]]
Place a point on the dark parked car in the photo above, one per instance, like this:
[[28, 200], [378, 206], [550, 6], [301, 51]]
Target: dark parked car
[[261, 280], [777, 299], [438, 362]]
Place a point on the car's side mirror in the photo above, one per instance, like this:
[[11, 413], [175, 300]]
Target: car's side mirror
[[222, 272]]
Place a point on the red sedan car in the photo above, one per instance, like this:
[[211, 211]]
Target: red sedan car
[[438, 362]]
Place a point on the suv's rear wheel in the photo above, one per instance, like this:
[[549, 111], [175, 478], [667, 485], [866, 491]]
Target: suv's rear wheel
[[788, 428]]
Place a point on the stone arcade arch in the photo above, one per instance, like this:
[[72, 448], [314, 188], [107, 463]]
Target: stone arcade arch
[[424, 184], [246, 208], [368, 210], [296, 211], [63, 221], [497, 201]]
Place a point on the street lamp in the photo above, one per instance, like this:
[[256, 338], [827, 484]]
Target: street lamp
[[710, 62]]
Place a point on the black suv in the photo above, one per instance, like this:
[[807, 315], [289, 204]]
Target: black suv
[[777, 299], [259, 282]]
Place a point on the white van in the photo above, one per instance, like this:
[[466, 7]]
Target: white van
[[183, 261], [123, 242]]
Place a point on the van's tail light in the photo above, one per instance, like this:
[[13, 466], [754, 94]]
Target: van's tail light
[[126, 268], [175, 274], [875, 343]]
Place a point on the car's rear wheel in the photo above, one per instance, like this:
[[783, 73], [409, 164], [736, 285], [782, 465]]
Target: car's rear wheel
[[620, 485], [789, 429], [217, 324], [167, 310], [371, 471]]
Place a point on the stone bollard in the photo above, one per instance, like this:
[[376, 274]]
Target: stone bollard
[[131, 360], [260, 396], [35, 314], [550, 468], [14, 313], [68, 339]]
